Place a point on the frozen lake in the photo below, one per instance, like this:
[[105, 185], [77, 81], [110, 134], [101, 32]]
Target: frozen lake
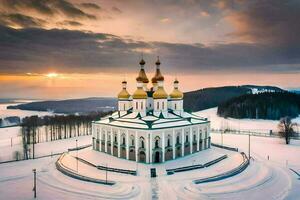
[[4, 112]]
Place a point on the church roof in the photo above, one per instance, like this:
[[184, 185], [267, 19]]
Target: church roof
[[132, 120]]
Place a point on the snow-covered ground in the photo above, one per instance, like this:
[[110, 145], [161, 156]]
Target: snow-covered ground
[[263, 179], [253, 125], [269, 175]]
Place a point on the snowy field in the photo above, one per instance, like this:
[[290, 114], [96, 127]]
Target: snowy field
[[269, 175], [253, 125], [263, 179]]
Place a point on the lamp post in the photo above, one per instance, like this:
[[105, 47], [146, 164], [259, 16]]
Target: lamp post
[[77, 155], [249, 146], [34, 183]]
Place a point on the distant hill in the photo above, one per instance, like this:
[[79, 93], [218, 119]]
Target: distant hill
[[193, 101], [71, 105], [262, 106], [211, 97]]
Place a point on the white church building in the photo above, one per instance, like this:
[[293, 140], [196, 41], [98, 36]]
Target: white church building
[[151, 125]]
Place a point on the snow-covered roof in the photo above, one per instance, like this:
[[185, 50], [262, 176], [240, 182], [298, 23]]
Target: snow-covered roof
[[151, 121]]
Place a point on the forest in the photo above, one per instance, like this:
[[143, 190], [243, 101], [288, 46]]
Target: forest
[[269, 105], [49, 128]]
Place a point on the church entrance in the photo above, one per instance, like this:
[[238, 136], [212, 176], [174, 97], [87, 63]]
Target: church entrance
[[157, 157], [142, 156]]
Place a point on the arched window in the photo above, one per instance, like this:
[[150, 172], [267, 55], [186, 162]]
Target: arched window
[[157, 142], [142, 144], [136, 105], [186, 138], [177, 139], [123, 140], [132, 140], [168, 142], [163, 105], [115, 138], [194, 137]]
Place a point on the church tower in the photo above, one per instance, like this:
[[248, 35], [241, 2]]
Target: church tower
[[139, 103], [176, 99], [160, 97], [124, 101]]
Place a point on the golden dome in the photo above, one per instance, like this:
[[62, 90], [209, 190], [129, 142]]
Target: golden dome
[[176, 94], [160, 93], [123, 94], [142, 77], [158, 76], [139, 94]]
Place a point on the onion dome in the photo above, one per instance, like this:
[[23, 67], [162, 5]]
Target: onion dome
[[176, 93], [142, 77], [142, 62], [124, 94], [158, 76], [160, 93], [139, 94]]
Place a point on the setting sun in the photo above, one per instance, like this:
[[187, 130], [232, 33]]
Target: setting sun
[[52, 75]]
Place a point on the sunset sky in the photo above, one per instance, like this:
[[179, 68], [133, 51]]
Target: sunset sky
[[55, 49]]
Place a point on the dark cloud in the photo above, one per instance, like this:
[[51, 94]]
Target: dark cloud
[[37, 50], [90, 5], [268, 21], [23, 21], [48, 7], [69, 23]]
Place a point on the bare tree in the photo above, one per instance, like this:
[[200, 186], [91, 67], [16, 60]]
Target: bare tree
[[286, 128]]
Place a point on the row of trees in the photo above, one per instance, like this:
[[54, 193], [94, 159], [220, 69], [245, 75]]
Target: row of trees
[[49, 128], [261, 106]]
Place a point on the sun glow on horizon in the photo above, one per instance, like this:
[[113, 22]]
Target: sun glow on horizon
[[52, 75]]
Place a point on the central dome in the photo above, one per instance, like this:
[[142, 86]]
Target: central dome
[[160, 93]]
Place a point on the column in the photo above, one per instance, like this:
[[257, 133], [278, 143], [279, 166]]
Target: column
[[119, 143], [136, 147], [198, 138], [191, 140], [182, 142], [173, 144], [151, 148], [111, 142], [105, 135], [147, 148], [127, 145], [163, 146]]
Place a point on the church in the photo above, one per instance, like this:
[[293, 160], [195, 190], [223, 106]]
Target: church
[[151, 125]]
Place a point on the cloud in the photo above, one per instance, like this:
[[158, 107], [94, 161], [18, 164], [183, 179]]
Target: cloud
[[21, 21], [69, 23], [47, 7], [116, 9], [273, 22], [90, 5], [40, 50]]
